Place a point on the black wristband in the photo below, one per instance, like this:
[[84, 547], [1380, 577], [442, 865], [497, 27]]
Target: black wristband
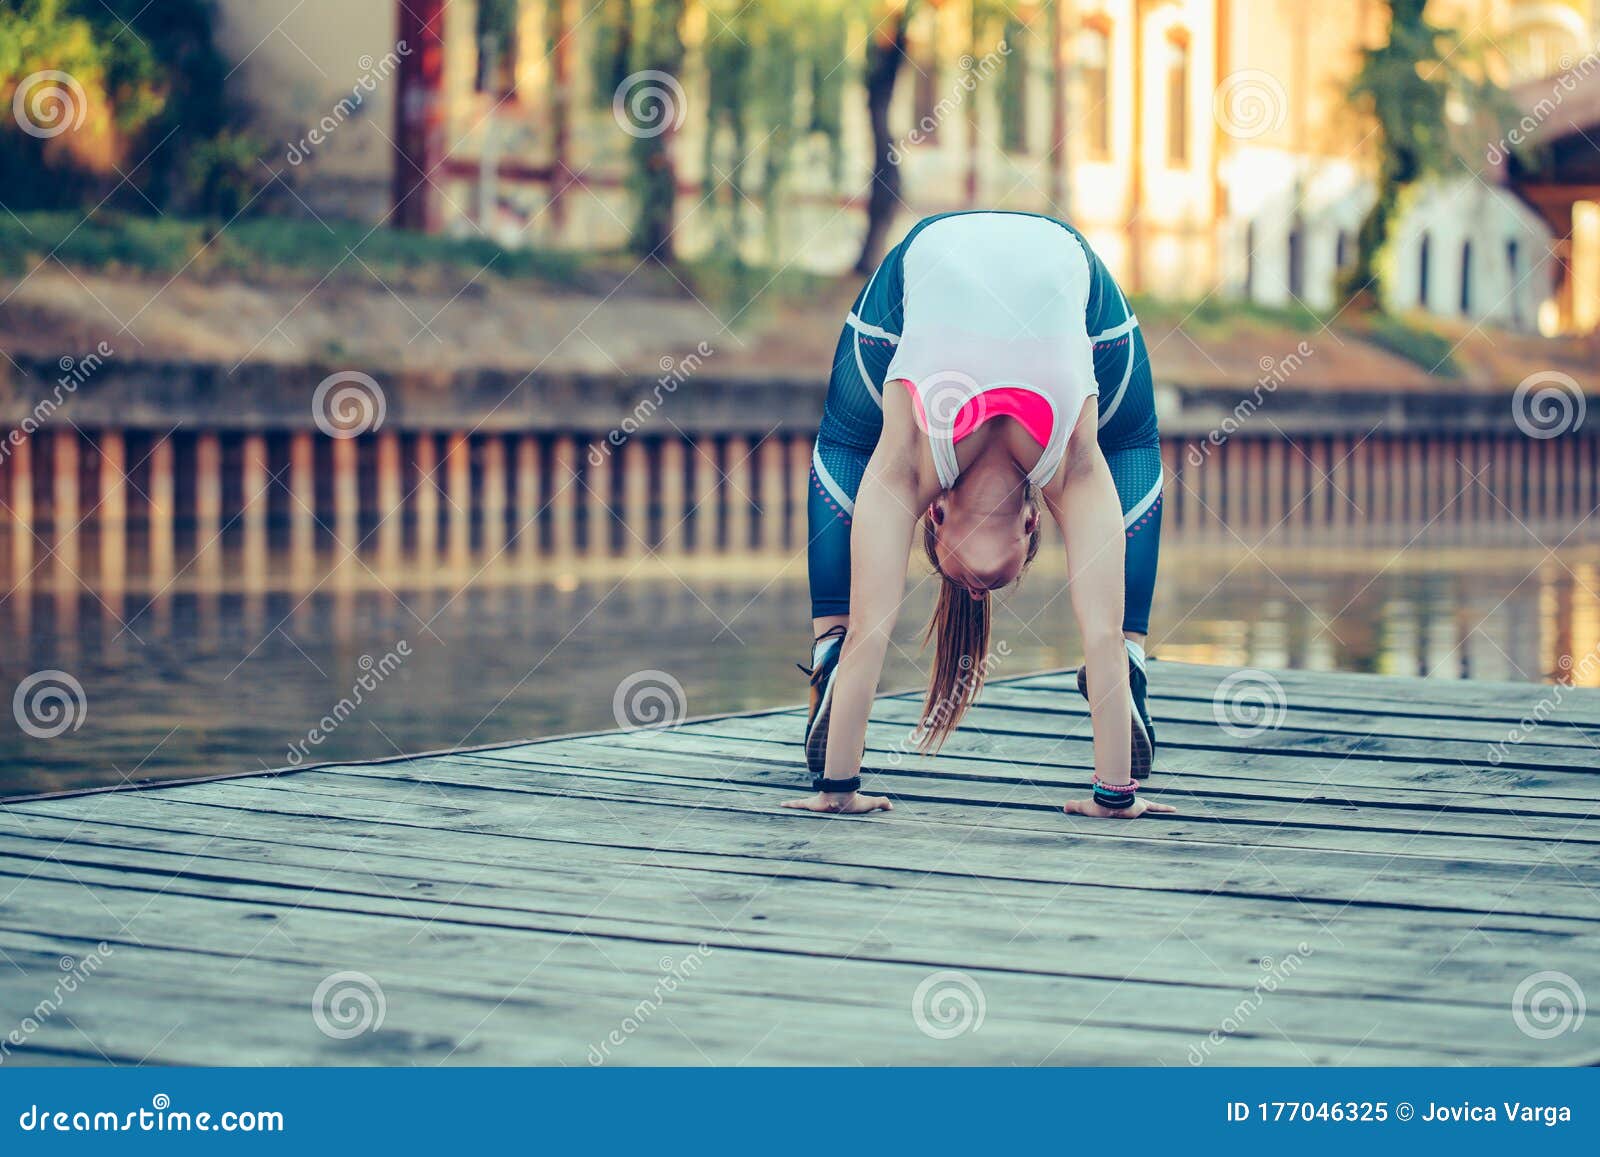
[[837, 786], [1115, 800]]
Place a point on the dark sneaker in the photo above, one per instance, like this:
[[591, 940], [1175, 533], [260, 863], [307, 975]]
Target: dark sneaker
[[822, 701], [1144, 732]]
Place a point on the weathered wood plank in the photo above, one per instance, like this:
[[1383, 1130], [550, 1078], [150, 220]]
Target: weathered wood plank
[[516, 904]]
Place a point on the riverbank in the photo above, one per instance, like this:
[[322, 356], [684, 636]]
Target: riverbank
[[256, 295]]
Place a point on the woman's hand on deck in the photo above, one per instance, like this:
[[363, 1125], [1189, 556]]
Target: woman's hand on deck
[[841, 803], [1087, 807]]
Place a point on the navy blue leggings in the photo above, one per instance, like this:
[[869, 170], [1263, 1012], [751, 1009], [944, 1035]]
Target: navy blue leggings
[[852, 418]]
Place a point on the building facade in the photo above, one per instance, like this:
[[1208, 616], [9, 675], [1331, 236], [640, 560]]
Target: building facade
[[1201, 144]]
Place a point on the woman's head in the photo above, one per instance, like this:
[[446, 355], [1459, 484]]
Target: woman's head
[[977, 547]]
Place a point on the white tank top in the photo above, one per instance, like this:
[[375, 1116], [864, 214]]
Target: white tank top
[[995, 307]]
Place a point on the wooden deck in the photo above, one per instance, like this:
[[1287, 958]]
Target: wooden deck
[[1354, 886]]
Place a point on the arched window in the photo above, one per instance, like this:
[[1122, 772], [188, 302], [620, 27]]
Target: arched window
[[496, 30], [1514, 273], [924, 57], [1094, 69], [1466, 278], [1424, 260], [1178, 99], [1250, 261], [1297, 259], [1014, 89]]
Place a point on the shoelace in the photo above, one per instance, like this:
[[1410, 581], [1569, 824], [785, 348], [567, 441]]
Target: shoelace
[[830, 633]]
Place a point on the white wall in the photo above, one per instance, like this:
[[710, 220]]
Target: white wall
[[1272, 190], [1449, 215]]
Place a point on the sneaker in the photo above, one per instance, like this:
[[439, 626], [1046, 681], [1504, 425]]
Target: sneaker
[[1144, 732], [827, 665]]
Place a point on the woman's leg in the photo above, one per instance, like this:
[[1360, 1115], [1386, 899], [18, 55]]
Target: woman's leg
[[852, 419], [1132, 448], [1131, 443], [836, 472], [1137, 473]]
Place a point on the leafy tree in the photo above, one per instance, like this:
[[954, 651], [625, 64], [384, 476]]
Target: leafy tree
[[655, 179], [149, 80], [1410, 85], [886, 53]]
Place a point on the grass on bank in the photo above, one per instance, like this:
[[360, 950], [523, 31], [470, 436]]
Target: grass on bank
[[276, 250], [1220, 319]]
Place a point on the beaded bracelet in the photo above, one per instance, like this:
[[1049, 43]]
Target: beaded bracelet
[[1121, 788], [1115, 796]]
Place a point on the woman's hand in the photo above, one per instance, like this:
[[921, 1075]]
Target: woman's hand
[[1087, 807], [851, 803]]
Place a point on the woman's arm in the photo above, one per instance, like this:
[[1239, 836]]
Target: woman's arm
[[880, 546], [1083, 499]]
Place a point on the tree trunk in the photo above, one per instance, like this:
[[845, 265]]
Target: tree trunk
[[654, 119], [885, 55]]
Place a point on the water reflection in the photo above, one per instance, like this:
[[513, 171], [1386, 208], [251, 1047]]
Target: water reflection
[[236, 657]]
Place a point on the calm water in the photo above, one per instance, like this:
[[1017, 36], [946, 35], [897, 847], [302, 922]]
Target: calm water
[[230, 665]]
